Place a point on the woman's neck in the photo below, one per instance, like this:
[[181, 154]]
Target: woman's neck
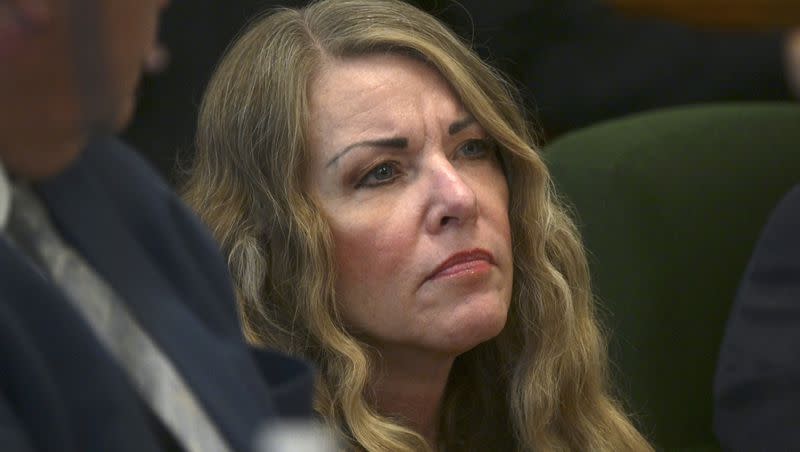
[[411, 387]]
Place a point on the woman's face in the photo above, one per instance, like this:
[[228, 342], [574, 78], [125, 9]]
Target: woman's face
[[417, 203]]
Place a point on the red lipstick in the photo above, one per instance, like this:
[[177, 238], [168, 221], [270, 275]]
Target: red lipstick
[[469, 261]]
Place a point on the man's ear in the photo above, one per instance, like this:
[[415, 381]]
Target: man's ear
[[792, 55]]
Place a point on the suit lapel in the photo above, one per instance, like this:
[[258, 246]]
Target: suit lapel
[[57, 371], [88, 218]]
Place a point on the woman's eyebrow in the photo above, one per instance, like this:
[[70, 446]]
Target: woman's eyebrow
[[400, 142], [394, 143], [460, 125]]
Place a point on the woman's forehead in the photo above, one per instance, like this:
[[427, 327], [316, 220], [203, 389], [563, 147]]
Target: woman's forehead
[[381, 91]]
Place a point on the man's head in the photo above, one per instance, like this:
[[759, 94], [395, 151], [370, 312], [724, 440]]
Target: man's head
[[70, 68]]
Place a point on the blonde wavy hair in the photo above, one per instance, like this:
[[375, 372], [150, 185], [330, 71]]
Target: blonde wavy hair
[[540, 385]]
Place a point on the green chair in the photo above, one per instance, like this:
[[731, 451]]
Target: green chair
[[670, 204]]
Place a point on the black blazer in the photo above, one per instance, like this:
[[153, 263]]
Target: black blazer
[[60, 390], [757, 386]]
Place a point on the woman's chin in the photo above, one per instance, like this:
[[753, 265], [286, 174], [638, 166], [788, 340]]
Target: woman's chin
[[475, 327]]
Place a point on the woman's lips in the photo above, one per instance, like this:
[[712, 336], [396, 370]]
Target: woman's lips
[[462, 263]]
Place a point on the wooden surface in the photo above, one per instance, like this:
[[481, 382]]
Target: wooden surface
[[740, 14]]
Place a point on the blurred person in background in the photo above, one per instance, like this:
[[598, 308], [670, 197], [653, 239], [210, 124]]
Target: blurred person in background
[[757, 386], [385, 214], [118, 328]]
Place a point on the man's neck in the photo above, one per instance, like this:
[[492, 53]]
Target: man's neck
[[38, 158]]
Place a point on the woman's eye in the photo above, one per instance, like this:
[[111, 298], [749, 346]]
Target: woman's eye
[[475, 148], [381, 174]]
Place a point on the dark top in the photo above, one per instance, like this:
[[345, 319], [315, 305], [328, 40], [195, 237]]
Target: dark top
[[757, 386]]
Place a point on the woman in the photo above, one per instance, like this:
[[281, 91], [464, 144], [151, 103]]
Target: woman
[[368, 178]]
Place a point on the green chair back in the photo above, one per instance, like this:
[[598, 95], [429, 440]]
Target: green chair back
[[670, 204]]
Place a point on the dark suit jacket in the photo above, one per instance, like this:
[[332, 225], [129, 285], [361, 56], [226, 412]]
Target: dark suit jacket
[[60, 390], [757, 387]]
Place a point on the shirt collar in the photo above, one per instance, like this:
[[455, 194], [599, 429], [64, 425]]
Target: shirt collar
[[5, 197]]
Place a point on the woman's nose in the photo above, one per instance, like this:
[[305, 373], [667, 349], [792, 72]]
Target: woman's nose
[[452, 200]]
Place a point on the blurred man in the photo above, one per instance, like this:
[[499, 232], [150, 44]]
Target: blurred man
[[757, 386], [118, 328]]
